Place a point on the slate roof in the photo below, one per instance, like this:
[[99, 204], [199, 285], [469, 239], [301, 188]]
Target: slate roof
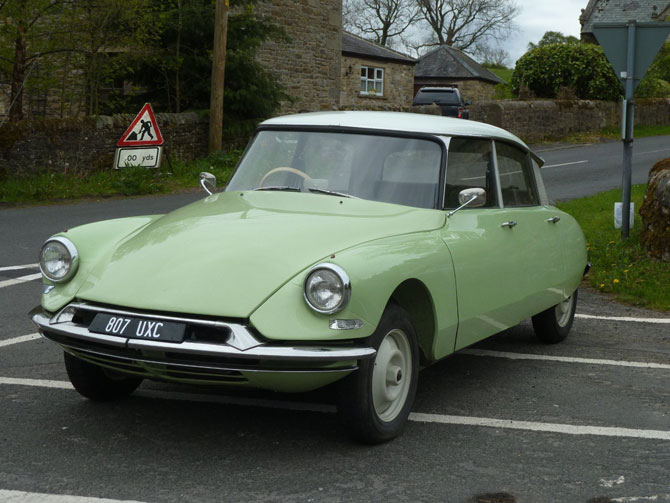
[[622, 11], [452, 63], [357, 46]]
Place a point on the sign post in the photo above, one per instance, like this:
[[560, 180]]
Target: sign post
[[142, 143], [630, 48]]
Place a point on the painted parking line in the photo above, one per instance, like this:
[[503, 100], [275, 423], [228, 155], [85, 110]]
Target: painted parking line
[[659, 498], [568, 429], [17, 340], [563, 164], [566, 359], [624, 318], [22, 279], [18, 267], [27, 497]]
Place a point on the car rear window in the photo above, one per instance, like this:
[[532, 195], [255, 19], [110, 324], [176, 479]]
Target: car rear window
[[446, 97]]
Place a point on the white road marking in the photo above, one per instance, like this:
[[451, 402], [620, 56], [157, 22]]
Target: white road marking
[[562, 164], [17, 340], [612, 482], [652, 151], [567, 359], [569, 429], [7, 496], [633, 499], [419, 417], [22, 279], [17, 267], [623, 318]]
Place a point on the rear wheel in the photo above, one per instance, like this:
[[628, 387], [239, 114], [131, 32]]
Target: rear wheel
[[375, 401], [553, 325], [97, 383]]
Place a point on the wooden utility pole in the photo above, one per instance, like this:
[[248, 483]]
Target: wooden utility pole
[[218, 75]]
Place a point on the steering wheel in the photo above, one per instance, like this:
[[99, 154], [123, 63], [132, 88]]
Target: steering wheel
[[304, 175]]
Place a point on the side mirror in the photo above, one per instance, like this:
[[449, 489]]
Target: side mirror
[[474, 197], [208, 182]]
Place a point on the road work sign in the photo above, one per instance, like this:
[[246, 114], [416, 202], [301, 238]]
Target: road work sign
[[141, 144]]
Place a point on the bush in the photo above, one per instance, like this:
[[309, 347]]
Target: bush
[[651, 87], [580, 67]]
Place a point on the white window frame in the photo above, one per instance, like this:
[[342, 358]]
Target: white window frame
[[376, 84]]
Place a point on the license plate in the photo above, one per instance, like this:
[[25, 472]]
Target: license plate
[[138, 328]]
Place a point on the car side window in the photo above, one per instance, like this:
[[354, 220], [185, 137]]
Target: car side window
[[516, 176], [470, 165]]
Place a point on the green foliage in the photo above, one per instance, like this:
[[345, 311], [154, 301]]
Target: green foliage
[[621, 268], [49, 187], [174, 73], [581, 67], [656, 83], [503, 92], [553, 37]]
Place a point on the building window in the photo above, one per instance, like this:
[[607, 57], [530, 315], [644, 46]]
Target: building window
[[372, 80]]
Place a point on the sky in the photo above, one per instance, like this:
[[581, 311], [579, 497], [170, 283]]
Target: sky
[[539, 16]]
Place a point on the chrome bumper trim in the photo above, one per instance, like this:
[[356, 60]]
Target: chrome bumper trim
[[255, 349]]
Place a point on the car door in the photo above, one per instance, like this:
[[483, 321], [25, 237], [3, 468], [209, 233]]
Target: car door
[[497, 250]]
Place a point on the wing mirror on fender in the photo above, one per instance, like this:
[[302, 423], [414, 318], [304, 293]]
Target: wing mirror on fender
[[474, 197], [208, 182]]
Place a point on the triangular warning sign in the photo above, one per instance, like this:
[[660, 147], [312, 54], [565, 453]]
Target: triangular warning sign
[[143, 130]]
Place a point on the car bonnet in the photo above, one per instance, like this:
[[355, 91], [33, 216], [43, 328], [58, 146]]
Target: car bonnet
[[226, 254]]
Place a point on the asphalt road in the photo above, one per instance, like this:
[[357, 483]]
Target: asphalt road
[[584, 421], [582, 170]]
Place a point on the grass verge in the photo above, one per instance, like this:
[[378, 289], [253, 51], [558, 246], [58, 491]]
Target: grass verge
[[614, 133], [620, 268], [55, 187]]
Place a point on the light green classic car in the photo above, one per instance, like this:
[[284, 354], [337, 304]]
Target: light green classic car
[[348, 246]]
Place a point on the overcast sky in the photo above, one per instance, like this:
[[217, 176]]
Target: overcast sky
[[539, 16]]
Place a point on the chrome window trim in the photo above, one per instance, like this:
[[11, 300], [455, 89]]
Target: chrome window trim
[[74, 259], [496, 173], [346, 295]]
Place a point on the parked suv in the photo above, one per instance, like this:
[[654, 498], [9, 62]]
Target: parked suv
[[449, 99]]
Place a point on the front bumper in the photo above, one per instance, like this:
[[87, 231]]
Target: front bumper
[[214, 351]]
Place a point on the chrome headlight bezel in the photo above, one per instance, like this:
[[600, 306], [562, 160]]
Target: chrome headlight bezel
[[73, 261], [345, 287]]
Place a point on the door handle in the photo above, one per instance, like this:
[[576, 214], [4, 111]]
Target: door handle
[[509, 224], [553, 220]]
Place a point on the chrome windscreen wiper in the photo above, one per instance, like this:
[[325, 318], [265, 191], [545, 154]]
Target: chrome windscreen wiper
[[279, 187], [331, 192]]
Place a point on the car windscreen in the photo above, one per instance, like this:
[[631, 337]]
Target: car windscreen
[[375, 167], [446, 97]]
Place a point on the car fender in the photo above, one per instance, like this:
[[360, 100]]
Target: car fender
[[93, 241], [377, 269]]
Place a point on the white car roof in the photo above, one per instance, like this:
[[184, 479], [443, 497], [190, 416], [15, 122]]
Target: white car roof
[[396, 121]]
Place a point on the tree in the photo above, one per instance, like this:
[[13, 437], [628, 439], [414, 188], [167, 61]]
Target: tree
[[493, 57], [466, 23], [580, 67], [26, 38], [379, 20], [553, 37]]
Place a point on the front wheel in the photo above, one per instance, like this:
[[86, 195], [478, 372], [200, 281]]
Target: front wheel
[[97, 383], [375, 401], [553, 325]]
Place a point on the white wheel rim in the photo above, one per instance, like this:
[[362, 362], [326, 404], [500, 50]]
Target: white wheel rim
[[563, 312], [391, 375]]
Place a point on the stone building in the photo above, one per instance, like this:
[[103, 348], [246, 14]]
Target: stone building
[[309, 64], [374, 77], [448, 66], [621, 11]]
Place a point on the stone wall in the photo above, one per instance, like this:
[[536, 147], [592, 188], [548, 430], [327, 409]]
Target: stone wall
[[542, 119], [473, 90], [309, 65], [398, 84], [31, 146]]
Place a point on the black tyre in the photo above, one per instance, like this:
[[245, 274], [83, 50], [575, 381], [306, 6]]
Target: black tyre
[[97, 383], [374, 402], [553, 325]]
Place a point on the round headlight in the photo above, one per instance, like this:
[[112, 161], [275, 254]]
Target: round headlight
[[327, 288], [59, 259]]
